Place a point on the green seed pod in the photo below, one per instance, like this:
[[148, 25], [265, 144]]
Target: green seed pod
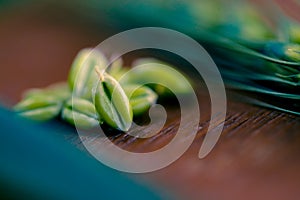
[[285, 51], [292, 52], [140, 97], [207, 13], [59, 90], [294, 32], [157, 72], [83, 76], [242, 21], [80, 112], [39, 107], [116, 69], [112, 104]]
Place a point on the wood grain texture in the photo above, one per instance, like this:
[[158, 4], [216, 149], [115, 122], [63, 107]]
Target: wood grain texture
[[257, 156]]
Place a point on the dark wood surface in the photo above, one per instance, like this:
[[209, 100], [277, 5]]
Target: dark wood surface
[[257, 156]]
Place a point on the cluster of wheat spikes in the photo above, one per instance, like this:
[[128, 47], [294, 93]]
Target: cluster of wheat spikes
[[256, 49]]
